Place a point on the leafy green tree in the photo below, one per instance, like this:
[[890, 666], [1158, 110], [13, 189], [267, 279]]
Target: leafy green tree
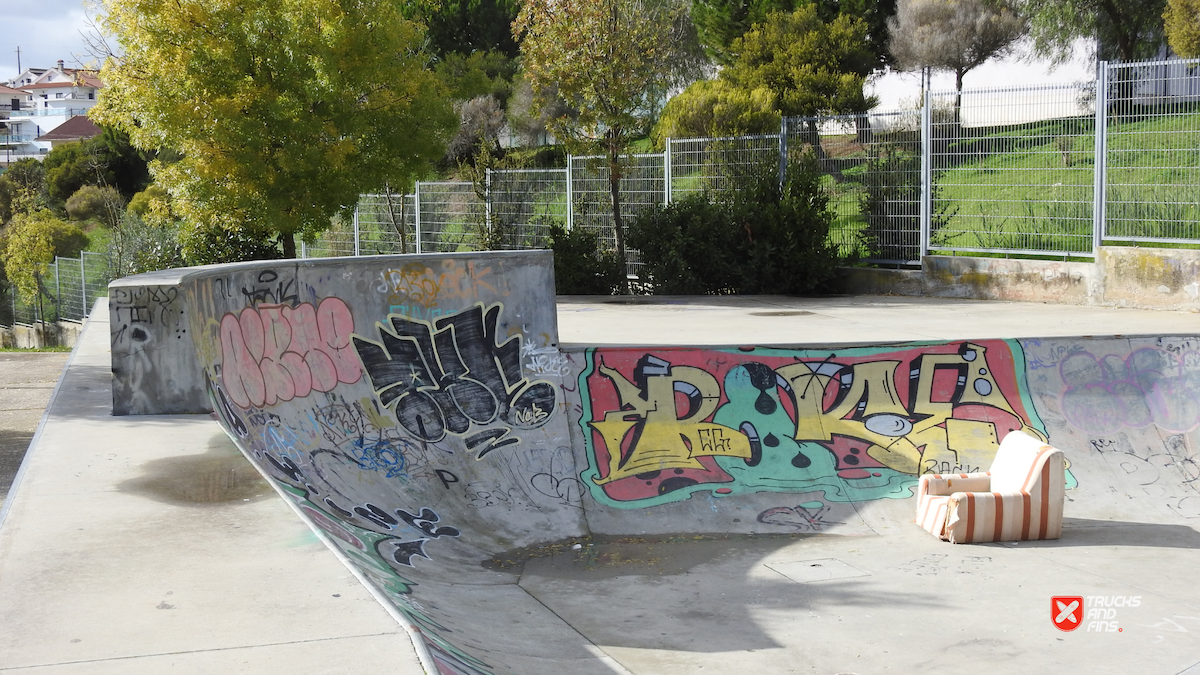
[[34, 239], [71, 166], [467, 26], [22, 188], [607, 59], [720, 22], [717, 108], [953, 35], [282, 112], [812, 67], [1123, 29], [1182, 25]]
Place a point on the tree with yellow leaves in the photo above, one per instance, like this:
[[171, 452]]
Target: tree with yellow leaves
[[280, 113]]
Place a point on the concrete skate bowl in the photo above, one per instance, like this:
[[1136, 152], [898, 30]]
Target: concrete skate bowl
[[529, 507]]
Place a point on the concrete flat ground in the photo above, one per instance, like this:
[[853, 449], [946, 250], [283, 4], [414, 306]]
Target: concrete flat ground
[[147, 544], [26, 380]]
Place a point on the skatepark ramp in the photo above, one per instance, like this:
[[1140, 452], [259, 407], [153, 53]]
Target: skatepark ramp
[[525, 506]]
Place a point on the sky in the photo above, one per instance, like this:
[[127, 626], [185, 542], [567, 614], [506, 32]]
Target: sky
[[45, 30], [49, 30]]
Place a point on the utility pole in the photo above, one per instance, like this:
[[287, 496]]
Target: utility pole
[[19, 71]]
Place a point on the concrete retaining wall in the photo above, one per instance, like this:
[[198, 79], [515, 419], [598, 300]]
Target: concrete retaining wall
[[1121, 276]]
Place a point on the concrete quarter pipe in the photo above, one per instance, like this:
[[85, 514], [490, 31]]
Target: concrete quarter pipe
[[527, 507]]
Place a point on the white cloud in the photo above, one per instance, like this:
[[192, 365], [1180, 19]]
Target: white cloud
[[46, 31]]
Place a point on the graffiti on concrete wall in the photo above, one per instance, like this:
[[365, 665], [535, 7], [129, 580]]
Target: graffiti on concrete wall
[[452, 376], [1151, 386], [853, 424], [274, 353], [366, 433]]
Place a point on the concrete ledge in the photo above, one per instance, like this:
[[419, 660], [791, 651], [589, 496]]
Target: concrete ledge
[[1121, 277]]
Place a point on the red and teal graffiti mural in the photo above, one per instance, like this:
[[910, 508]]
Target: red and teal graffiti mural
[[853, 424]]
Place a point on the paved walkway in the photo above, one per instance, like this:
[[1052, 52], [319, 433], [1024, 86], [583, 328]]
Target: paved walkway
[[26, 380]]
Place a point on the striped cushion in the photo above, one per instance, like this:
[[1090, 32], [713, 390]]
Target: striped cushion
[[966, 509]]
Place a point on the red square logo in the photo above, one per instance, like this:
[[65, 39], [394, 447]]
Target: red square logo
[[1066, 611]]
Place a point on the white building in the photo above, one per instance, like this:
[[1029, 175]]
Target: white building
[[37, 102]]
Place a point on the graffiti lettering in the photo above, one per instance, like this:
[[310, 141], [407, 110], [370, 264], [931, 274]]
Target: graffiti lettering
[[282, 293], [423, 286], [273, 353], [856, 425], [447, 477], [443, 378]]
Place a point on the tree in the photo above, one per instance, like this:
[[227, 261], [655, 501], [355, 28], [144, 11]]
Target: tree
[[717, 108], [720, 22], [953, 35], [92, 202], [812, 67], [282, 112], [467, 26], [1123, 29], [34, 239], [607, 59], [1182, 25]]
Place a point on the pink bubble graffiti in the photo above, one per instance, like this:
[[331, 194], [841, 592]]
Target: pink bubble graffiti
[[274, 353]]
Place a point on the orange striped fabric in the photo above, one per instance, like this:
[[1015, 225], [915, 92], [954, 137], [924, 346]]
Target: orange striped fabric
[[977, 507]]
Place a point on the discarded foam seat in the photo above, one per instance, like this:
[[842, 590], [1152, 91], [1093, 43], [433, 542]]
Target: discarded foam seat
[[1020, 497]]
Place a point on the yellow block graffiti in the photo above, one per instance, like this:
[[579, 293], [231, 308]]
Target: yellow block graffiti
[[920, 437], [872, 411], [668, 439]]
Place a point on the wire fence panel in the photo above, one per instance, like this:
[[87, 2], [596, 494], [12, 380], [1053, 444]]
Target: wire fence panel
[[871, 174], [523, 204], [642, 185], [1013, 170], [387, 224], [1153, 152], [451, 215], [717, 164], [95, 280], [70, 287]]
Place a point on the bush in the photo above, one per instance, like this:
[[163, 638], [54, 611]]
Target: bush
[[92, 202], [210, 243], [580, 267], [759, 237], [137, 246]]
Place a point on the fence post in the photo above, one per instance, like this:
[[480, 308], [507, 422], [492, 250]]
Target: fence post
[[487, 200], [667, 173], [57, 291], [417, 213], [303, 250], [926, 174], [83, 284], [783, 149], [570, 194], [1100, 159], [357, 244]]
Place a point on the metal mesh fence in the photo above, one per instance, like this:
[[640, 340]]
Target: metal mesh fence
[[1152, 158], [450, 216], [524, 203], [717, 164], [643, 184], [871, 174], [71, 288], [387, 224], [1012, 170], [68, 289]]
